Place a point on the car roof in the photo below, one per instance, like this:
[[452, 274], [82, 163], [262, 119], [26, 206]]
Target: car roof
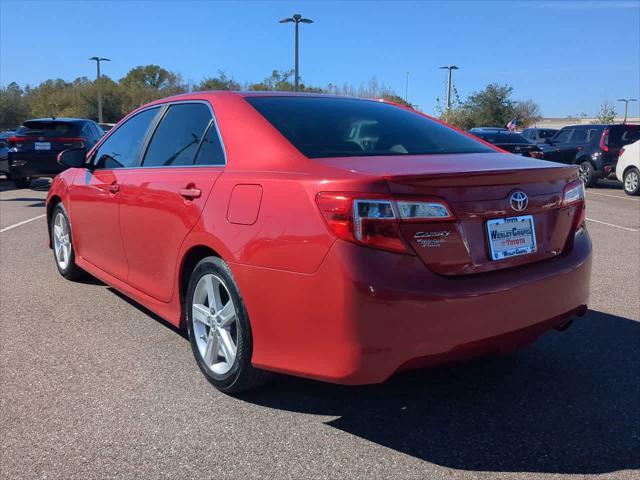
[[58, 119]]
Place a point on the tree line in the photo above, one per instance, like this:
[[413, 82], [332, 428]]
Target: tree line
[[492, 106]]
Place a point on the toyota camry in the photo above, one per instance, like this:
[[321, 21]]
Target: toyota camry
[[333, 238]]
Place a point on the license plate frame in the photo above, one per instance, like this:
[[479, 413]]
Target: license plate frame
[[528, 244]]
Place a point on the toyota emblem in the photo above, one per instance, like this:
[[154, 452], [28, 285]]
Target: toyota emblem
[[519, 201]]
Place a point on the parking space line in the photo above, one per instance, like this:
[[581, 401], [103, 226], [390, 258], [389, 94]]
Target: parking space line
[[613, 225], [15, 225], [613, 196]]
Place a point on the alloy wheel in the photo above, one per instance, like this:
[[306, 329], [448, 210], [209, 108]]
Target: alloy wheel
[[584, 173], [62, 241], [631, 181], [215, 324]]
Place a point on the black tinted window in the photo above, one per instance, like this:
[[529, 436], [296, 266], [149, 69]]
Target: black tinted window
[[621, 135], [546, 133], [579, 136], [502, 137], [49, 128], [121, 148], [176, 139], [210, 152], [336, 127], [563, 136]]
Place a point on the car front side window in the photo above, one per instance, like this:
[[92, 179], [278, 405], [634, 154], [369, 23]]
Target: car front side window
[[178, 136], [121, 148]]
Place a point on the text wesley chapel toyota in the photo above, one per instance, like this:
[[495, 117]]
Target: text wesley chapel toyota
[[334, 238]]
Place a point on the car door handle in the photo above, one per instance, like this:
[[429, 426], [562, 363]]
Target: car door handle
[[190, 192]]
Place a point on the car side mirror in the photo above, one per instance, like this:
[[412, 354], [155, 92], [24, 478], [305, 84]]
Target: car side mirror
[[73, 157]]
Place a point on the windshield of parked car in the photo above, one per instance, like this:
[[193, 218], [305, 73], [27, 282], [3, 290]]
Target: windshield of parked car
[[494, 137], [341, 127], [47, 129]]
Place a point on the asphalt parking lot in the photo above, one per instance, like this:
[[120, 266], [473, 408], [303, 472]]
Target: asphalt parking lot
[[94, 386]]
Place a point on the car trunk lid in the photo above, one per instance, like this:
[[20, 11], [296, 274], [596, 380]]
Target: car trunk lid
[[477, 188]]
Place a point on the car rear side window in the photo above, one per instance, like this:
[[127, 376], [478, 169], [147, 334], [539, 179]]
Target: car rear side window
[[579, 136], [338, 127], [120, 149], [175, 141]]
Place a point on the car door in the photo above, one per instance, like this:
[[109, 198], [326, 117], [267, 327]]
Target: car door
[[95, 195], [556, 151], [575, 145], [163, 200]]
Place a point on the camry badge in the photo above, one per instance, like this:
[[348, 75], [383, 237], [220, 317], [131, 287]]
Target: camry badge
[[519, 201]]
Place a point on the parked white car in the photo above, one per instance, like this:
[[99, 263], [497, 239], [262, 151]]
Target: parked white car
[[628, 168]]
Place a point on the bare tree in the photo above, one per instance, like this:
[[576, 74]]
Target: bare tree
[[527, 113]]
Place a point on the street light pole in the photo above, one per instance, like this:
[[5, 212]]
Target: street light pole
[[406, 90], [98, 60], [626, 106], [297, 19], [450, 68]]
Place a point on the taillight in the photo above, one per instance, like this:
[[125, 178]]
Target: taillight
[[374, 220], [620, 152], [574, 195], [536, 154], [604, 140], [18, 140]]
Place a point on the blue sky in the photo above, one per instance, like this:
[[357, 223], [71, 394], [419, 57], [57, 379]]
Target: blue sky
[[567, 56]]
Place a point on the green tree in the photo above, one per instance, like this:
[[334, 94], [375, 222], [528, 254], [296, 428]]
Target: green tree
[[606, 114], [392, 97], [491, 107], [146, 83], [14, 108], [221, 82]]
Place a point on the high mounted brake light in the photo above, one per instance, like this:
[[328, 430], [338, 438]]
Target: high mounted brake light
[[374, 220]]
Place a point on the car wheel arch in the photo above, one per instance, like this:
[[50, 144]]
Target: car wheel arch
[[187, 264], [51, 205]]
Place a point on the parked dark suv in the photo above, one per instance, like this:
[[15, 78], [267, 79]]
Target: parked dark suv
[[595, 148], [36, 144]]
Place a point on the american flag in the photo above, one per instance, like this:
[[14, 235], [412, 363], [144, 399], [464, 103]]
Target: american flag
[[512, 125]]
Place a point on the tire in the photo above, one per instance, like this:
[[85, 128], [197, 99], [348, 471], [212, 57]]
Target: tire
[[587, 174], [63, 251], [632, 181], [23, 182], [217, 322]]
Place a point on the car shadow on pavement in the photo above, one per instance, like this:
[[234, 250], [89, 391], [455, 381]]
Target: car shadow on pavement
[[568, 404], [183, 333], [38, 202], [39, 184]]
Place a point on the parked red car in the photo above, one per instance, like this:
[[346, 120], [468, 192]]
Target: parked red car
[[333, 238]]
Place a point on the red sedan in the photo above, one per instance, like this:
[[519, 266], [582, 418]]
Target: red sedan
[[333, 238]]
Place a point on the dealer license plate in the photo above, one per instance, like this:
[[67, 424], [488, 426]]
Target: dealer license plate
[[510, 237]]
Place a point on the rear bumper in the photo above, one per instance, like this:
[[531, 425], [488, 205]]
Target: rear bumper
[[366, 314], [30, 165]]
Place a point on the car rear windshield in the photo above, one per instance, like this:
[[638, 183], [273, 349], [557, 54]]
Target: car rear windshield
[[502, 137], [621, 135], [48, 129], [341, 127]]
